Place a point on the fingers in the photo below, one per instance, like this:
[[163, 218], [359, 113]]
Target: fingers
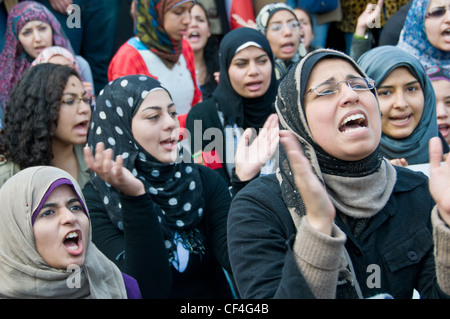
[[435, 152]]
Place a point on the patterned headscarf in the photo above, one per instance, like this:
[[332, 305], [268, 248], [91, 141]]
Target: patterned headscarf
[[13, 59], [262, 20], [414, 40], [150, 28], [23, 272], [378, 63], [53, 51], [175, 188]]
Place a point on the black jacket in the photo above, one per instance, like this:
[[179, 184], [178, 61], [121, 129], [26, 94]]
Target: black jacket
[[139, 250], [398, 239]]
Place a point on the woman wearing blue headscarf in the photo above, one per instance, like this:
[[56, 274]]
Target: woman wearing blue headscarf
[[407, 103]]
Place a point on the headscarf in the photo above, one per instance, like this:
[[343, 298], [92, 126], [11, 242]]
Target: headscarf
[[150, 28], [358, 189], [436, 73], [245, 112], [23, 272], [262, 20], [414, 40], [378, 63], [50, 52], [13, 59], [176, 188]]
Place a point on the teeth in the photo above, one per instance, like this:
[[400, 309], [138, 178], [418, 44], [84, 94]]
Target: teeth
[[72, 235], [73, 247], [353, 117]]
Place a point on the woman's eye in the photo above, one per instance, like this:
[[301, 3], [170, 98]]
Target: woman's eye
[[173, 114], [384, 93], [76, 208], [47, 213]]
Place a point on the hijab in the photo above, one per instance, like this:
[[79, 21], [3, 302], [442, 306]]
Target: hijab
[[13, 59], [50, 52], [358, 189], [23, 272], [262, 20], [175, 188], [150, 28], [244, 112], [378, 63], [414, 40]]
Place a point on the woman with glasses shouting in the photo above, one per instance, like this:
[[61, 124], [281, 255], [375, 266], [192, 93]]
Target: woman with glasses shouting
[[46, 122], [338, 220], [426, 32]]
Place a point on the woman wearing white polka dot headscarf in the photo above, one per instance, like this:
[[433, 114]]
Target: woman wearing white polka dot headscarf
[[159, 218]]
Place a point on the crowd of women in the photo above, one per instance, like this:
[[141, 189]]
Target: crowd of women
[[253, 165]]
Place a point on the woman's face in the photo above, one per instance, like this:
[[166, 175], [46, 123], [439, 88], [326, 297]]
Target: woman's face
[[401, 102], [250, 72], [306, 28], [283, 33], [74, 114], [198, 31], [442, 91], [155, 126], [35, 36], [345, 124], [176, 20], [61, 229], [437, 29]]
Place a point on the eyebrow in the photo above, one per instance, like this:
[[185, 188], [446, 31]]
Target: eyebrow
[[74, 94], [157, 108], [406, 84], [70, 201]]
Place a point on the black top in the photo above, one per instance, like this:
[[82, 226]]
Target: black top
[[398, 239], [140, 252]]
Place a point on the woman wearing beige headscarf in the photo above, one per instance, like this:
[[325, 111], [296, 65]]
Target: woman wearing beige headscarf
[[45, 245]]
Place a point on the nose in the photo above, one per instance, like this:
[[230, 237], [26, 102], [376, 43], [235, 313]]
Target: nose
[[349, 95], [286, 30], [400, 100], [253, 68], [67, 217], [186, 18], [83, 107], [441, 111], [36, 35]]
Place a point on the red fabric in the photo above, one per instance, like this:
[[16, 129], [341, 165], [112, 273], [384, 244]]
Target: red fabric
[[212, 160], [243, 8], [128, 61]]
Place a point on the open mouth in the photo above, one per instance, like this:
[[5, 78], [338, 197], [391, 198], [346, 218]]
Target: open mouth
[[446, 32], [254, 86], [72, 241], [194, 36], [353, 122], [444, 129], [82, 128], [400, 119], [169, 144], [287, 47]]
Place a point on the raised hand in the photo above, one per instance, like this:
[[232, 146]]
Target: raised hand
[[439, 182], [112, 171], [250, 158], [320, 211]]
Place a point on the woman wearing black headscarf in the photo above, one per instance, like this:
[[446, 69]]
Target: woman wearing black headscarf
[[243, 99], [159, 218]]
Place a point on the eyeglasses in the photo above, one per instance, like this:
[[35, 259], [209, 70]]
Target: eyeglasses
[[72, 100], [436, 13], [277, 27], [330, 87]]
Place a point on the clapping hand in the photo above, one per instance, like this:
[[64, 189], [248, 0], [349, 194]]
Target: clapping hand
[[320, 211], [250, 158]]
